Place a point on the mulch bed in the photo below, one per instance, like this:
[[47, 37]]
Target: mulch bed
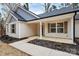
[[77, 41], [70, 48], [8, 39]]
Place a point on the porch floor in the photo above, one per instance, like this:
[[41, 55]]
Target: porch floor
[[61, 40]]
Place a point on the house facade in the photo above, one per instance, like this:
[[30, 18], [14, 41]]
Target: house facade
[[61, 23]]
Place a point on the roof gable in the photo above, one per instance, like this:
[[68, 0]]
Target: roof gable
[[12, 20], [31, 13], [21, 14], [24, 14], [20, 18]]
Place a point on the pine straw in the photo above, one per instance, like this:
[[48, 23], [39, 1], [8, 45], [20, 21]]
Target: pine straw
[[7, 50]]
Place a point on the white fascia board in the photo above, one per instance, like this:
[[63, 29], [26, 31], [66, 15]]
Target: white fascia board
[[14, 16]]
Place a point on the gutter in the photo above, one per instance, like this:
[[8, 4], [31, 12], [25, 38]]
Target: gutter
[[74, 27]]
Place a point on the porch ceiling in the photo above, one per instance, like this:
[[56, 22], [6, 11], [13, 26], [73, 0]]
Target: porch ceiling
[[36, 21]]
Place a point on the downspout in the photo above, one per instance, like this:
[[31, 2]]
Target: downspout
[[74, 27]]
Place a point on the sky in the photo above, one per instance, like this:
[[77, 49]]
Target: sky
[[36, 8], [0, 8], [1, 11]]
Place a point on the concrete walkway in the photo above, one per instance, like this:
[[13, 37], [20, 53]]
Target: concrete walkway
[[36, 50]]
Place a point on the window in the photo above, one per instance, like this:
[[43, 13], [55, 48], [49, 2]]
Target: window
[[57, 27], [13, 28], [52, 28]]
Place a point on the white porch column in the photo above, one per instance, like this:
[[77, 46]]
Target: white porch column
[[40, 30], [7, 31], [72, 28]]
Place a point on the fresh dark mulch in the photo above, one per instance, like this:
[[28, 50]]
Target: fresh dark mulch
[[76, 41], [70, 48], [8, 39]]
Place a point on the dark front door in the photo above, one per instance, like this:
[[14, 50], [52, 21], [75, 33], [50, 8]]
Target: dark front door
[[43, 29]]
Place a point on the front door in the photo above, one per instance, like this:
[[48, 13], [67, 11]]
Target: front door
[[43, 29]]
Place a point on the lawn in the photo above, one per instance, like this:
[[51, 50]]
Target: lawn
[[6, 50]]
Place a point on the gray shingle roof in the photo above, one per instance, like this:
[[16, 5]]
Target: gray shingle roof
[[21, 18], [28, 11], [18, 16], [48, 14], [58, 11]]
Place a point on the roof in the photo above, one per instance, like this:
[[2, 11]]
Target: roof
[[57, 12], [20, 18], [53, 13], [29, 15], [33, 14], [17, 16]]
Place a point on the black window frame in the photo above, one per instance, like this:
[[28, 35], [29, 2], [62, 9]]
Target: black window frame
[[13, 28]]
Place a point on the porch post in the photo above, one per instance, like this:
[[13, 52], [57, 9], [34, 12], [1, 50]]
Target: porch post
[[40, 30]]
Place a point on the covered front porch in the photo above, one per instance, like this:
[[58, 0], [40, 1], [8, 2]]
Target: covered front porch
[[61, 28]]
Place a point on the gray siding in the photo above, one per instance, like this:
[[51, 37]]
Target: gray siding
[[9, 18], [12, 20]]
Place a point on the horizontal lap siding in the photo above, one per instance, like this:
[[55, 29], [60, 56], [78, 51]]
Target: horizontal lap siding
[[27, 30], [16, 35]]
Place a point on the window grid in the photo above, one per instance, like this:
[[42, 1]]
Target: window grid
[[13, 28], [61, 27]]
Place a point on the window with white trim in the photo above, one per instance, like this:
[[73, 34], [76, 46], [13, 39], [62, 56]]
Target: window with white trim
[[13, 28], [52, 27], [65, 27], [60, 28], [57, 27]]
